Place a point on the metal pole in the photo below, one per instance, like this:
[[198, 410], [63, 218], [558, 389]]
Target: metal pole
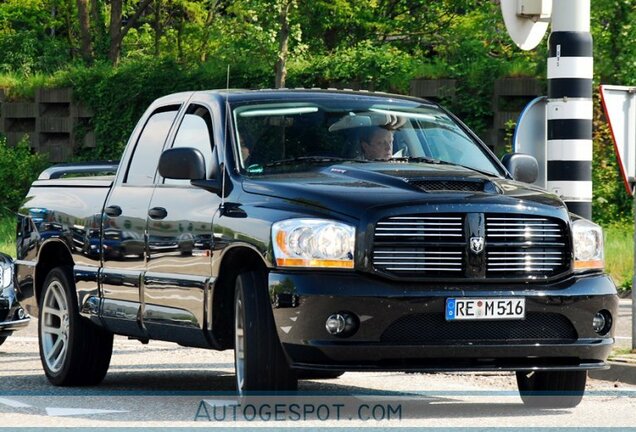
[[569, 110], [634, 277]]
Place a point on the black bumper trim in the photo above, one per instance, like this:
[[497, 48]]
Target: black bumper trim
[[11, 326], [502, 368]]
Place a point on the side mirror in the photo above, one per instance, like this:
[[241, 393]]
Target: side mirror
[[523, 167], [184, 163]]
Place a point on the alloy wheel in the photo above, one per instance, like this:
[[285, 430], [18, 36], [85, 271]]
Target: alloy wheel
[[55, 326], [239, 344]]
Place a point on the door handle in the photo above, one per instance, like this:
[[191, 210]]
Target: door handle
[[113, 211], [157, 213]]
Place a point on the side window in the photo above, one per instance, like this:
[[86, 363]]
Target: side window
[[195, 131], [145, 159]]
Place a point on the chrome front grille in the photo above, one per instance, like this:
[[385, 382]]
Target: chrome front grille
[[526, 228], [417, 261], [524, 261], [525, 245], [438, 246], [420, 226], [433, 245]]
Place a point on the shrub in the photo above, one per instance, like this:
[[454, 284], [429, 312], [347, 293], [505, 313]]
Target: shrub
[[19, 167]]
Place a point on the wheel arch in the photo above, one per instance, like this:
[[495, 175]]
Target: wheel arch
[[235, 260], [53, 253]]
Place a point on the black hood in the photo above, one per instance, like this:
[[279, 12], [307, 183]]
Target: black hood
[[353, 188]]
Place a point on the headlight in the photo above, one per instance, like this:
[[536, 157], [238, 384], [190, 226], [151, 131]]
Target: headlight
[[588, 245], [6, 275], [313, 243]]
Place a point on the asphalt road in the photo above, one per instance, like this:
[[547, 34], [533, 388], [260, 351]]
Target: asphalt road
[[163, 384], [624, 324]]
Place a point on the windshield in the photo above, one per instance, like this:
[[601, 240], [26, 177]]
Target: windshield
[[277, 137]]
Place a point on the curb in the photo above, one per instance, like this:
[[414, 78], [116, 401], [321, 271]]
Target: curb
[[618, 371]]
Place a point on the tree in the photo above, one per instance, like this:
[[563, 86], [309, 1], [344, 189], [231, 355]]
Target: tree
[[213, 9], [85, 30], [284, 6], [118, 30]]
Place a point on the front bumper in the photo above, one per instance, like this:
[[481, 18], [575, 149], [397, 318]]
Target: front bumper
[[402, 325], [12, 316], [8, 327]]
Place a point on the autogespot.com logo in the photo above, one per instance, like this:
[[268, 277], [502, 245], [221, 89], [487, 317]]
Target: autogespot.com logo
[[282, 409]]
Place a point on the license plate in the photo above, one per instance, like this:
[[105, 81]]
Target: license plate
[[485, 308]]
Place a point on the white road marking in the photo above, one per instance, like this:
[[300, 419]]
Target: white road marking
[[293, 318], [221, 402], [286, 329], [13, 403], [61, 412], [24, 338]]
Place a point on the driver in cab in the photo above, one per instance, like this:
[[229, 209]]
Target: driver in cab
[[376, 143]]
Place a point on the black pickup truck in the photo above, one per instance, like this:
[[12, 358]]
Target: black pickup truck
[[315, 232]]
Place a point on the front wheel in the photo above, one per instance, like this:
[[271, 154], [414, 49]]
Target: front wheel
[[74, 352], [551, 389], [2, 339], [258, 356]]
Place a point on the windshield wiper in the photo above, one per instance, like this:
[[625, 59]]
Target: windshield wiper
[[311, 159], [442, 162]]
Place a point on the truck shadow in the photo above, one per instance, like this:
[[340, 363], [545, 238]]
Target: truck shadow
[[211, 385]]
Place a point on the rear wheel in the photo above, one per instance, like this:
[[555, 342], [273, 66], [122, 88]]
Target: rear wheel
[[74, 352], [552, 389], [2, 339], [259, 359]]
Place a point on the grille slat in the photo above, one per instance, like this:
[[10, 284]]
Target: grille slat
[[517, 224], [455, 218], [525, 253], [434, 224], [434, 230], [424, 269], [418, 235], [531, 230], [525, 235], [417, 252], [425, 259]]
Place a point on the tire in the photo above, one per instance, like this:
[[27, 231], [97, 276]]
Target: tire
[[318, 374], [259, 360], [552, 389], [2, 339], [73, 351]]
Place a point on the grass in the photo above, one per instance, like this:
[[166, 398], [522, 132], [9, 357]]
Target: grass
[[617, 352], [619, 255]]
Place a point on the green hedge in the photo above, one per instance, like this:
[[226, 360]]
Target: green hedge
[[18, 169]]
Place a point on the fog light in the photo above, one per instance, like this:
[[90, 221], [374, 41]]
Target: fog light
[[602, 322], [335, 324], [342, 324]]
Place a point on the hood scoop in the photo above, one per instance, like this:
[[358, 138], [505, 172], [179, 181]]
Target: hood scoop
[[459, 185]]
